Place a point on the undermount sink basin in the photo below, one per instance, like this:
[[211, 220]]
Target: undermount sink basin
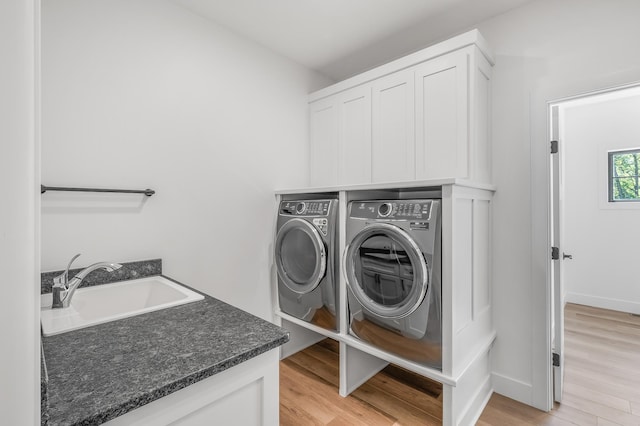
[[109, 302]]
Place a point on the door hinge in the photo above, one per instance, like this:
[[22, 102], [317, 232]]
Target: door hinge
[[555, 358], [554, 147], [555, 253]]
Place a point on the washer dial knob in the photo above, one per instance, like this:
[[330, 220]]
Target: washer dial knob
[[300, 207], [385, 209]]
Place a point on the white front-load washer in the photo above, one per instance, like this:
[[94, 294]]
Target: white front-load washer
[[393, 267], [305, 258]]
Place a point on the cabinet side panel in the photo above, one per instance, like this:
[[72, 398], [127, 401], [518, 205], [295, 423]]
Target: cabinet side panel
[[481, 250], [482, 142], [472, 320], [463, 260]]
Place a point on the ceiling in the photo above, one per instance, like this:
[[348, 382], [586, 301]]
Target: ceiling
[[340, 38]]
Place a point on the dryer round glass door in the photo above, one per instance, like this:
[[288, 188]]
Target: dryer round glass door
[[386, 271], [301, 258]]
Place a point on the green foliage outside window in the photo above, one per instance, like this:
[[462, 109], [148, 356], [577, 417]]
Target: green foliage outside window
[[624, 178]]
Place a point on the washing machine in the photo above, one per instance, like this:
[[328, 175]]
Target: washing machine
[[393, 269], [305, 258]]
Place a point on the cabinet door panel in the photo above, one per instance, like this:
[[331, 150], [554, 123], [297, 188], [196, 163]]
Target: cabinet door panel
[[442, 128], [323, 155], [355, 136], [393, 143]]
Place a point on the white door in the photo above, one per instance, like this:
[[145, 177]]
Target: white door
[[556, 265]]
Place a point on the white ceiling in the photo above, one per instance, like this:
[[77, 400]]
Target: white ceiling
[[339, 38]]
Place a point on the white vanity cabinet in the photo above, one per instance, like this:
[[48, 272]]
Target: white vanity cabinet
[[428, 119], [246, 394]]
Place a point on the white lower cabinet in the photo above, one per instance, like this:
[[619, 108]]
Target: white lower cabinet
[[425, 116], [244, 395]]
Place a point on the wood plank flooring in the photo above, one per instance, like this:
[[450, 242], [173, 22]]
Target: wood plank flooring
[[309, 382], [602, 384]]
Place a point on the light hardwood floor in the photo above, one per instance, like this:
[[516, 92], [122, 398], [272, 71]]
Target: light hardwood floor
[[602, 384]]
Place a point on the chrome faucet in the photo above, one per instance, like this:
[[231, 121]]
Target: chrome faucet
[[63, 288]]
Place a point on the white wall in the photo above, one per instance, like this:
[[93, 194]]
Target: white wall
[[19, 325], [145, 94], [602, 237], [546, 50], [129, 90]]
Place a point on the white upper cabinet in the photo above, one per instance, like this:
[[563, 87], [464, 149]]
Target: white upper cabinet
[[324, 152], [354, 117], [424, 116], [442, 122], [340, 138], [393, 143]]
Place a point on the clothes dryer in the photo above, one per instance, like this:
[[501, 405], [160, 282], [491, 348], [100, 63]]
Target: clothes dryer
[[305, 257], [393, 270]]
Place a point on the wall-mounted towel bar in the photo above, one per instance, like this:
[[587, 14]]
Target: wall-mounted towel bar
[[147, 192]]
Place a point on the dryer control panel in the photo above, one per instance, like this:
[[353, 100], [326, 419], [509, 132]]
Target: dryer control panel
[[392, 210], [305, 208]]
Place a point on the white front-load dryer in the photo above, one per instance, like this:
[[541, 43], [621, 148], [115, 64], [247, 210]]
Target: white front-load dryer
[[305, 258], [392, 266]]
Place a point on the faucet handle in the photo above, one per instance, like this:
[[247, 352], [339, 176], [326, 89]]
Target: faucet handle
[[62, 279]]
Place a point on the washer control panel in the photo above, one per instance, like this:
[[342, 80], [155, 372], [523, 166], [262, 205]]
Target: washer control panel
[[392, 210], [305, 208]]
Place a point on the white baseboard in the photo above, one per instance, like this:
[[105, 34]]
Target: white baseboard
[[512, 388], [603, 302]]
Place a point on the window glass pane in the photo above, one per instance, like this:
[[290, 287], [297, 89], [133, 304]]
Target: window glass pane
[[624, 175], [624, 189], [625, 165]]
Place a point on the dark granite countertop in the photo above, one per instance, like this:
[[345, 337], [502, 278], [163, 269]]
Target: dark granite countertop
[[98, 373]]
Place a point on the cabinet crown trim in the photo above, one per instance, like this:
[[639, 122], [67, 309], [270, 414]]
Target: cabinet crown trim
[[469, 38]]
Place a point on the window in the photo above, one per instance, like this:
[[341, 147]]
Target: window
[[624, 178]]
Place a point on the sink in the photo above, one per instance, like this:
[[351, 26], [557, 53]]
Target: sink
[[110, 302]]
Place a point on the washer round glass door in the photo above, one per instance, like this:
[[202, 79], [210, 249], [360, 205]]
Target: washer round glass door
[[386, 271], [301, 258]]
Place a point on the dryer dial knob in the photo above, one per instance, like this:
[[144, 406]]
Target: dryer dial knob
[[385, 209], [300, 208]]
